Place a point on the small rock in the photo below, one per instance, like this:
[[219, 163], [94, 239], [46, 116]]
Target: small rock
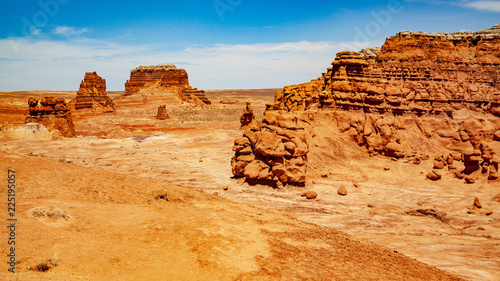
[[225, 188], [480, 228], [469, 180], [451, 167], [438, 164], [449, 159], [472, 210], [469, 151], [434, 175], [489, 212], [493, 175], [417, 160], [459, 175], [161, 196], [386, 169], [304, 193], [477, 203], [311, 194], [201, 160], [165, 172], [342, 190], [216, 193]]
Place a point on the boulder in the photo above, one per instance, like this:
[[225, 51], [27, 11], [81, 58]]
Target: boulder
[[434, 175], [342, 190]]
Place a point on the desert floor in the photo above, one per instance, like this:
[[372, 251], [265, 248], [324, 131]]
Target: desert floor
[[106, 223]]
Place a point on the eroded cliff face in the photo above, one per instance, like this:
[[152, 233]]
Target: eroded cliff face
[[420, 94], [53, 113], [92, 94], [166, 77]]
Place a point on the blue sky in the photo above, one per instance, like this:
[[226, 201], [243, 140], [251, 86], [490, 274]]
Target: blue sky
[[223, 44]]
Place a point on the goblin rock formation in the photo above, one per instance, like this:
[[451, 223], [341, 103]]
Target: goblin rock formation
[[274, 151], [53, 113], [298, 97], [92, 94], [413, 96], [167, 77], [162, 113], [247, 117]]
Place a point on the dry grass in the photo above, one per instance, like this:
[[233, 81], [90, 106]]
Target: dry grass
[[52, 213]]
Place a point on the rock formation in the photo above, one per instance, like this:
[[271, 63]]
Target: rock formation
[[162, 113], [168, 78], [413, 72], [247, 117], [274, 151], [53, 113], [92, 94], [414, 96], [298, 97]]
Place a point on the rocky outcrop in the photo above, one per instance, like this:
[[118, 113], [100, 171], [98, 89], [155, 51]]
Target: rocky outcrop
[[247, 117], [274, 151], [53, 113], [162, 113], [414, 96], [414, 73], [92, 94], [298, 97], [167, 77]]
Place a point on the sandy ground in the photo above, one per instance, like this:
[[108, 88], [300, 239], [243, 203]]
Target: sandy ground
[[120, 161]]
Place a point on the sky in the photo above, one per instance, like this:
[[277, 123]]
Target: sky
[[222, 44]]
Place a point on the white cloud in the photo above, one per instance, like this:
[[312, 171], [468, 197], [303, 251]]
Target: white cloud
[[60, 65], [35, 31], [492, 6], [69, 31]]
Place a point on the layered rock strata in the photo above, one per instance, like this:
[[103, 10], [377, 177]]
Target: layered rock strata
[[53, 113], [414, 96], [167, 77], [413, 73], [92, 94]]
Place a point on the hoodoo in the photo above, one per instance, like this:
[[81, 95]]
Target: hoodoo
[[92, 94], [53, 114]]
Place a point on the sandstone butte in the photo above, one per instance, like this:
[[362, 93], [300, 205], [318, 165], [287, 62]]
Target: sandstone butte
[[92, 95], [53, 113], [166, 78], [418, 94]]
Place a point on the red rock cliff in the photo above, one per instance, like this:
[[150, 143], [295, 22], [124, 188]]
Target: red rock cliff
[[413, 72]]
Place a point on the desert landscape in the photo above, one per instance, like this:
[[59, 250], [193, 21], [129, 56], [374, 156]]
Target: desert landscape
[[383, 168]]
